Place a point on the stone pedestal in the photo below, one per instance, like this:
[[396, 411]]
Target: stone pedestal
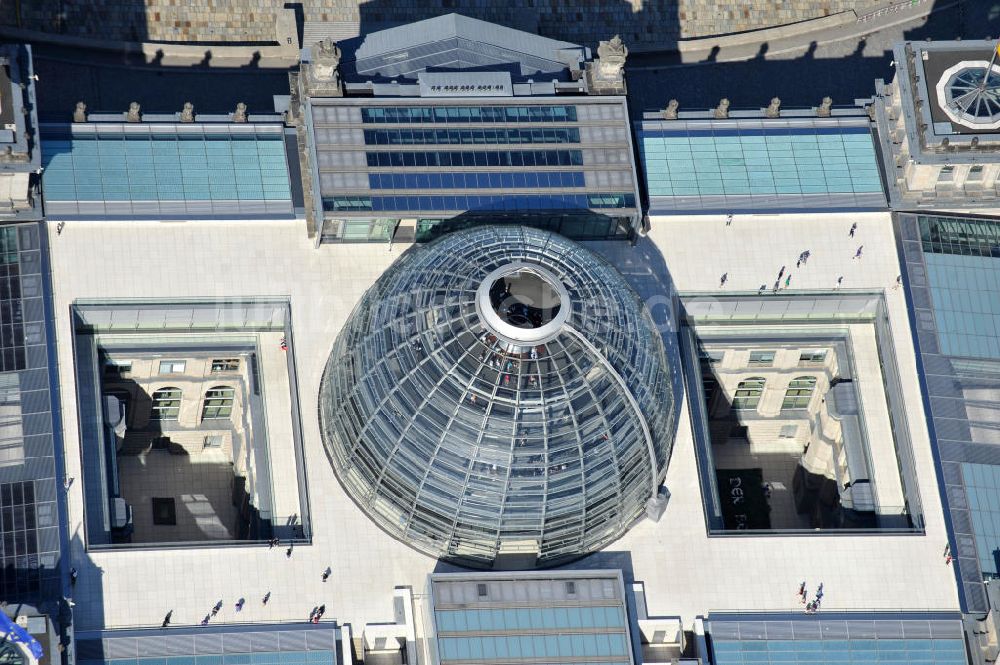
[[606, 74], [322, 74]]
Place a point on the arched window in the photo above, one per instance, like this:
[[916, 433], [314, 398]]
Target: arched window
[[166, 404], [800, 391], [748, 393], [218, 403]]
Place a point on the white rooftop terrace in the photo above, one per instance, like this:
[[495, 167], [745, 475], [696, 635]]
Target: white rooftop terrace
[[684, 571]]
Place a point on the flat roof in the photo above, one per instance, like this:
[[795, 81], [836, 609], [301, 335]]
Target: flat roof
[[760, 164], [118, 170], [282, 644], [863, 637], [561, 617], [952, 269], [31, 485], [684, 571]]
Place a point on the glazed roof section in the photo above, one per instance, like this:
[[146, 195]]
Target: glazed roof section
[[30, 458], [933, 639], [547, 617], [135, 171], [747, 164], [952, 266], [274, 644]]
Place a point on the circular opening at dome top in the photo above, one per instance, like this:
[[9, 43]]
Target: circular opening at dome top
[[522, 303], [525, 299]]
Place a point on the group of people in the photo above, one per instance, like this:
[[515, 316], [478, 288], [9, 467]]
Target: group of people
[[801, 261], [811, 606], [507, 364]]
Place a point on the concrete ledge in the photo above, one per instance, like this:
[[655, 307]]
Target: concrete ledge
[[755, 37]]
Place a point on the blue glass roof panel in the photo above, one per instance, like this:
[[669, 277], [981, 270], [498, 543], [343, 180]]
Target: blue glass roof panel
[[203, 167], [809, 163]]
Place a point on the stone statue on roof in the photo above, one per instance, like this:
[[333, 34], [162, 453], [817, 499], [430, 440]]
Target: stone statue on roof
[[241, 113], [187, 113], [670, 113], [80, 112], [607, 72], [324, 74], [134, 113], [722, 110], [774, 108], [824, 108]]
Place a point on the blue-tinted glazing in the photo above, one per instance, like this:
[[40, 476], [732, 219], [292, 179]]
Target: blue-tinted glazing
[[535, 618], [982, 487], [528, 647], [602, 200], [471, 136], [258, 658], [478, 158], [775, 162], [839, 652], [478, 180], [166, 168], [964, 236], [468, 114], [965, 293]]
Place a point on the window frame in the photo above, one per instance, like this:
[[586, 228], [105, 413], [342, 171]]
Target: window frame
[[166, 404], [808, 357], [751, 362], [799, 393], [224, 365], [173, 366], [752, 389], [225, 396]]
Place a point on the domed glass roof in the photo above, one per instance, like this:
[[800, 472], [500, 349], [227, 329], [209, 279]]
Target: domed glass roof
[[969, 94], [501, 391]]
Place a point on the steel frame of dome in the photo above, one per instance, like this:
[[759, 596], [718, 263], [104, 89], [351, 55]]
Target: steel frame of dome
[[468, 442], [961, 96]]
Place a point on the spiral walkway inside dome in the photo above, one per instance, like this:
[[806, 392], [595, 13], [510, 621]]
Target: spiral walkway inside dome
[[500, 393]]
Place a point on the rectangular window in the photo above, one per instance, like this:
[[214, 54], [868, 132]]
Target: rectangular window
[[225, 365], [975, 174], [172, 366], [947, 174], [761, 358], [812, 357], [213, 441], [117, 368]]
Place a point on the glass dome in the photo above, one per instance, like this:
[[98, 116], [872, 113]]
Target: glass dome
[[969, 97], [500, 392]]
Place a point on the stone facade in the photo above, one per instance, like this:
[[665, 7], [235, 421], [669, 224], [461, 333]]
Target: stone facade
[[641, 23]]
